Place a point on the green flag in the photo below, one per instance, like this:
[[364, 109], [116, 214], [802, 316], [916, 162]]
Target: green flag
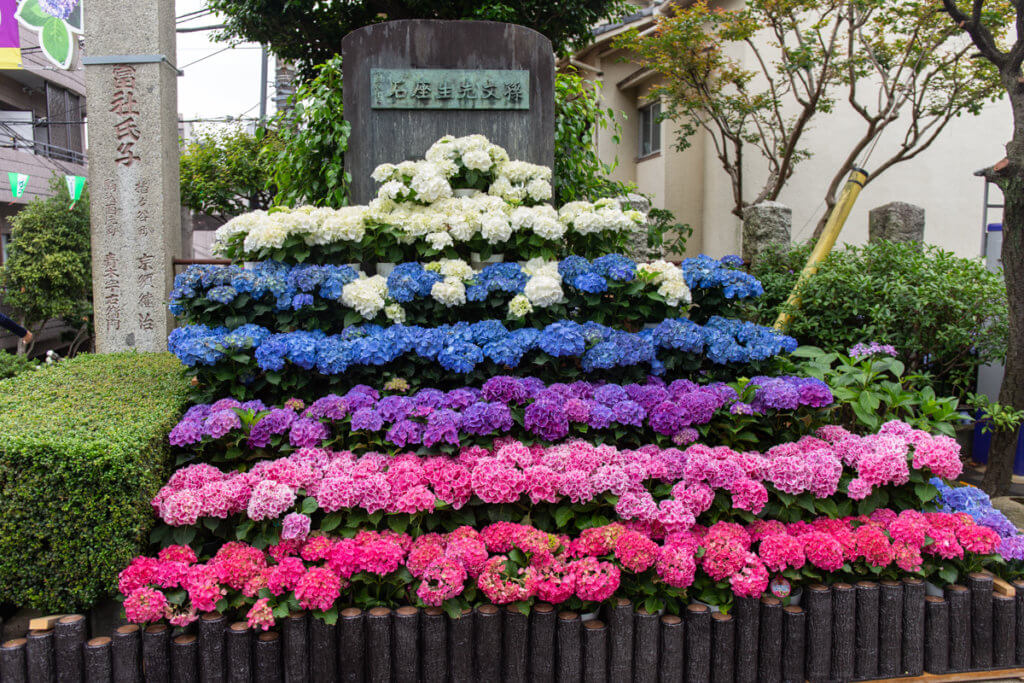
[[76, 184], [18, 183]]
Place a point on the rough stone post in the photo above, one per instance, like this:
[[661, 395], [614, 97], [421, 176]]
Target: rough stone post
[[896, 222], [764, 225], [133, 170], [638, 249]]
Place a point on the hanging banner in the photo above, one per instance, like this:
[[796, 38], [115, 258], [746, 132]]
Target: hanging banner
[[10, 39], [76, 184], [18, 182], [57, 24]]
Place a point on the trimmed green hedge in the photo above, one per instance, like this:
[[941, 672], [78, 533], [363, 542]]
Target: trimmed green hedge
[[83, 449]]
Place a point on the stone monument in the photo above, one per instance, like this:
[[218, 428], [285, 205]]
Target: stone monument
[[765, 225], [896, 222], [132, 86], [408, 83]]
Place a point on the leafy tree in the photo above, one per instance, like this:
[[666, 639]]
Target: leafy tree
[[982, 21], [754, 79], [309, 164], [309, 32], [48, 273], [224, 174]]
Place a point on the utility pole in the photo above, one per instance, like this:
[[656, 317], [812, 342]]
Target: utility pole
[[264, 59]]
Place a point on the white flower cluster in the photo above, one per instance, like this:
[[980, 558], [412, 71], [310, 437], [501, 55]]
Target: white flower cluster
[[669, 278], [416, 204]]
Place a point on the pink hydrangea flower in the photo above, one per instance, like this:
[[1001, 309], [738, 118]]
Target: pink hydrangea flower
[[260, 615], [144, 605], [318, 589]]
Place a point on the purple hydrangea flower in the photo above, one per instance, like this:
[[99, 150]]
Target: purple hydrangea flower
[[186, 433], [405, 433], [295, 526], [218, 424], [629, 413], [442, 426], [307, 433], [547, 419], [368, 419]]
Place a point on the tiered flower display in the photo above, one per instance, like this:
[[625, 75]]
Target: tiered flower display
[[563, 425]]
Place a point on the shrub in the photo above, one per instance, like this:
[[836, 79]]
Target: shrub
[[83, 449], [12, 364], [945, 315]]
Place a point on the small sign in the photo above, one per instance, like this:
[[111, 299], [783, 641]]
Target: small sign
[[450, 88], [76, 184], [18, 182], [780, 587]]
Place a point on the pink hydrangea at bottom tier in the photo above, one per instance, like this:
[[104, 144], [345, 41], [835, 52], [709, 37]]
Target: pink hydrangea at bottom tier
[[510, 562], [575, 471]]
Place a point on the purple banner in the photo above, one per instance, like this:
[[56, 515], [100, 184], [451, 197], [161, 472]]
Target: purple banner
[[10, 40]]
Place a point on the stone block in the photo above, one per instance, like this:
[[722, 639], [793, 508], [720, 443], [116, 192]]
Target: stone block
[[392, 134], [765, 225], [896, 222]]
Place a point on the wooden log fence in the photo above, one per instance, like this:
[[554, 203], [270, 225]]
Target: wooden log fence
[[840, 633]]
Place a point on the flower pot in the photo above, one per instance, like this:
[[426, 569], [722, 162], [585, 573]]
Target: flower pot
[[712, 608], [477, 262], [932, 589], [588, 616], [384, 269], [464, 192]]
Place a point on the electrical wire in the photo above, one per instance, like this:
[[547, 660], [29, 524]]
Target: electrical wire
[[194, 14], [212, 54]]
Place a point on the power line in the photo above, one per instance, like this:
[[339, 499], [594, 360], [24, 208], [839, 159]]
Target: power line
[[212, 54], [214, 27], [194, 14]]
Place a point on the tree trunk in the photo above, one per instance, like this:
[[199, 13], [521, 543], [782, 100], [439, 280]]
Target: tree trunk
[[1004, 443]]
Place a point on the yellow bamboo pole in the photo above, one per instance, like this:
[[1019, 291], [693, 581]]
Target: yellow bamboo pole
[[836, 220]]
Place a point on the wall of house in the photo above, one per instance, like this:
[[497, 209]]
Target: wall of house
[[693, 185]]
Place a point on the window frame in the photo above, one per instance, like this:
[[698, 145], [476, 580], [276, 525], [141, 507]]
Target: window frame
[[649, 130]]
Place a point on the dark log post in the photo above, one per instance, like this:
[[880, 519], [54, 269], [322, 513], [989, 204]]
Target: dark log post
[[323, 651], [723, 648], [890, 629], [794, 628], [595, 652], [379, 640], [570, 657], [959, 600], [295, 629], [488, 643], [516, 638], [12, 661], [435, 645], [460, 647], [185, 659], [1019, 602], [913, 626], [819, 632], [211, 647], [1004, 626], [39, 653], [238, 645], [769, 656], [407, 638], [866, 661], [748, 618], [352, 645], [126, 653], [69, 639], [671, 666], [542, 643], [980, 586], [698, 643], [645, 647], [844, 631], [98, 667], [156, 653], [936, 635], [268, 658], [620, 636]]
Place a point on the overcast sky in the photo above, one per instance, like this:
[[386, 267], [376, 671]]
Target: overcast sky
[[224, 84]]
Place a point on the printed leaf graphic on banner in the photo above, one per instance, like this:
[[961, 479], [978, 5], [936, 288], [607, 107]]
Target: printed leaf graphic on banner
[[18, 183], [55, 22]]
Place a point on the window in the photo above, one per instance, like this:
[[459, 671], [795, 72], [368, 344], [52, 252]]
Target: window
[[650, 130]]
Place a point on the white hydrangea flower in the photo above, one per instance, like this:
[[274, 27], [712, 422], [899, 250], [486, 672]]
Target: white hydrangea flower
[[477, 160], [383, 172], [538, 266], [395, 313], [347, 224], [365, 295], [495, 228], [539, 190], [544, 290], [519, 306], [439, 240], [449, 291], [392, 190], [675, 291], [457, 268]]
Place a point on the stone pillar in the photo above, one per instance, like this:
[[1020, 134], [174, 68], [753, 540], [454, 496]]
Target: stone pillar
[[896, 222], [408, 83], [637, 248], [765, 225], [133, 168]]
